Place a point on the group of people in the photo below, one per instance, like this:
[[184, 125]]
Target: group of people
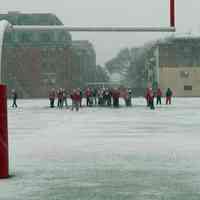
[[105, 97], [61, 95], [101, 96], [150, 95], [96, 96]]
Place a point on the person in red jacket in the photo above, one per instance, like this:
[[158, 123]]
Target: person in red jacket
[[88, 95], [147, 96], [115, 96], [158, 96], [151, 99], [76, 97], [60, 98], [169, 94]]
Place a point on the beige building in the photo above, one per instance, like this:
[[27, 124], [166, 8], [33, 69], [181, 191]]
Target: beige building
[[175, 63], [184, 81]]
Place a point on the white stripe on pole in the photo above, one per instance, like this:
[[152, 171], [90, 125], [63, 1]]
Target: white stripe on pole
[[4, 25]]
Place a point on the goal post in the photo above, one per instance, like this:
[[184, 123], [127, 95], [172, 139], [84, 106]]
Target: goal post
[[94, 29], [5, 26], [170, 28], [172, 13]]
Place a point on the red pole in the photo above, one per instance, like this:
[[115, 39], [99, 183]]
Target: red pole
[[3, 133], [172, 13]]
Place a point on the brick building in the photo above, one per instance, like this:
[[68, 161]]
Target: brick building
[[36, 61], [85, 57]]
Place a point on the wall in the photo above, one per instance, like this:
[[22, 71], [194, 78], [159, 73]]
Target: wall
[[178, 78]]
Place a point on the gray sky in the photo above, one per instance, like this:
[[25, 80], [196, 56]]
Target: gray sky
[[114, 13]]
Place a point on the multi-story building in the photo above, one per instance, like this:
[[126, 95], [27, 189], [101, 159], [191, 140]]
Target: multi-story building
[[85, 59], [175, 63], [36, 61]]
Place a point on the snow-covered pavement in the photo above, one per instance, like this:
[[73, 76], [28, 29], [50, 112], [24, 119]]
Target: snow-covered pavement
[[104, 153]]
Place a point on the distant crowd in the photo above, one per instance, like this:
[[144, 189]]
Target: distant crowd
[[107, 97], [104, 97], [101, 97]]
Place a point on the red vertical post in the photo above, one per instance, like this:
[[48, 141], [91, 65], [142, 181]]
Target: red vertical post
[[3, 133], [172, 13]]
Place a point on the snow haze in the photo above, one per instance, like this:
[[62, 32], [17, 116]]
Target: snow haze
[[114, 13]]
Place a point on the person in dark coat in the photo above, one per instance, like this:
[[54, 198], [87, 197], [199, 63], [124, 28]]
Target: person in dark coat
[[81, 96], [95, 94], [60, 98], [64, 101], [107, 97], [14, 98], [115, 95], [129, 100], [52, 96], [100, 97], [169, 96]]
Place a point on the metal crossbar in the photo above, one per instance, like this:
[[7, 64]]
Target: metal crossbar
[[94, 29]]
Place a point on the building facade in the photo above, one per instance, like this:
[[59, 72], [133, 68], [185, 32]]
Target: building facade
[[34, 62], [175, 63], [85, 62]]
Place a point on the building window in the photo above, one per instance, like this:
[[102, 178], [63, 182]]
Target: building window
[[45, 37], [8, 37], [184, 74], [186, 49], [188, 87], [26, 37]]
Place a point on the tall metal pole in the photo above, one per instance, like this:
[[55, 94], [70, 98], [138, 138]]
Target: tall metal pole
[[172, 13], [4, 159]]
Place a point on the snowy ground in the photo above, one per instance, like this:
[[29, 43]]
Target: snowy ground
[[103, 153]]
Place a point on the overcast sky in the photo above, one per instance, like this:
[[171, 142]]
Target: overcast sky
[[114, 13]]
